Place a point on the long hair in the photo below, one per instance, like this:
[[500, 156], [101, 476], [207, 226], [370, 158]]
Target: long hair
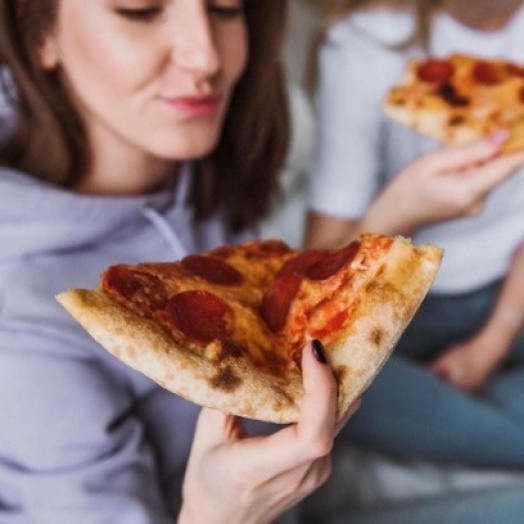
[[49, 140], [244, 168], [240, 176], [332, 11]]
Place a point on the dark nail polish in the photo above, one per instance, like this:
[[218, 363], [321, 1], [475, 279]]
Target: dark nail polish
[[318, 351]]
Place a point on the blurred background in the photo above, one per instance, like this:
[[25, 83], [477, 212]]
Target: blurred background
[[287, 219]]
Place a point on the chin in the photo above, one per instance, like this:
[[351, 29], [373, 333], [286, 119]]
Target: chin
[[191, 148]]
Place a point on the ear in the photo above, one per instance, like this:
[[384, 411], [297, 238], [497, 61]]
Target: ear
[[48, 52]]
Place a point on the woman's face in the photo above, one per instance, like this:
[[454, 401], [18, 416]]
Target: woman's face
[[150, 76]]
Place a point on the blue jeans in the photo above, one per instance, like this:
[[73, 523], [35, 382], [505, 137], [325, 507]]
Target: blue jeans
[[408, 411], [501, 505]]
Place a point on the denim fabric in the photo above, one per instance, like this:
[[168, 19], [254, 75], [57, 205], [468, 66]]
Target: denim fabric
[[408, 411], [486, 506]]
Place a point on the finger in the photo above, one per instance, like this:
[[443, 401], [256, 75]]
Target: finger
[[439, 374], [443, 371], [463, 155], [316, 424], [496, 171], [214, 428], [437, 366], [311, 437]]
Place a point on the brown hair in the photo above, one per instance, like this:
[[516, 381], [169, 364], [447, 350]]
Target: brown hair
[[244, 168], [334, 10], [239, 176]]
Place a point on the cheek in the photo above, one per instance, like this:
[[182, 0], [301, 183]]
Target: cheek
[[101, 66]]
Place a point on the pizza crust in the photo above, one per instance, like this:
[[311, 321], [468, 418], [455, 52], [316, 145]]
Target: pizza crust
[[390, 301], [234, 384]]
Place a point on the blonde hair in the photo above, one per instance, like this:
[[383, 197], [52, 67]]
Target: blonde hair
[[330, 12]]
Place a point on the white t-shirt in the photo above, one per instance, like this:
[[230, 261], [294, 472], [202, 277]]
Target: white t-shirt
[[358, 149]]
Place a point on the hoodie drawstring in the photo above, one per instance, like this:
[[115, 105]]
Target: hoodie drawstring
[[165, 230]]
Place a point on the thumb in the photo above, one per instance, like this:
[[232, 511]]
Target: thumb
[[318, 410]]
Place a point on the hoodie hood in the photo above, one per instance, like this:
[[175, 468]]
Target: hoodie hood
[[38, 217]]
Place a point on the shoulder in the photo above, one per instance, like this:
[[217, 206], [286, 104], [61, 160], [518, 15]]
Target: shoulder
[[31, 320], [360, 39], [380, 27], [366, 37]]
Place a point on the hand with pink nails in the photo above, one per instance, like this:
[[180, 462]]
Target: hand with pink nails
[[451, 182]]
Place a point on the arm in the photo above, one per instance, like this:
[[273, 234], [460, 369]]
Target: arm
[[344, 175], [468, 365], [449, 183], [237, 480], [71, 448]]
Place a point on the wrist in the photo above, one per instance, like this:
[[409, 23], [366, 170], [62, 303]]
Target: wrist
[[504, 325], [214, 515], [496, 342], [382, 219]]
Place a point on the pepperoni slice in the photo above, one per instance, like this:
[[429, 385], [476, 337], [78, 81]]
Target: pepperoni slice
[[129, 285], [435, 71], [515, 70], [302, 262], [213, 270], [487, 73], [277, 301], [332, 262], [200, 315], [274, 247], [267, 248]]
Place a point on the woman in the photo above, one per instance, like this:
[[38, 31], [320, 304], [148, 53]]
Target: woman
[[467, 199], [140, 130]]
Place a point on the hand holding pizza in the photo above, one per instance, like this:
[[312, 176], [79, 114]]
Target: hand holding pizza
[[448, 183], [236, 479], [459, 98]]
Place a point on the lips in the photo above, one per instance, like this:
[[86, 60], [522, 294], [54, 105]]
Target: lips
[[195, 106]]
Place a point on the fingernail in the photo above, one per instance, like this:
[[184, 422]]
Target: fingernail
[[318, 351], [498, 137]]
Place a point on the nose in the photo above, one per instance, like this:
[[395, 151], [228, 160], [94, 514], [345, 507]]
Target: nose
[[194, 47]]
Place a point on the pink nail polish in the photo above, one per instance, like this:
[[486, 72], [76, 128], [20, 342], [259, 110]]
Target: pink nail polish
[[498, 137]]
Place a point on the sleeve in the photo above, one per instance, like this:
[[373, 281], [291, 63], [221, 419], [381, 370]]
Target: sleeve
[[71, 449], [354, 73]]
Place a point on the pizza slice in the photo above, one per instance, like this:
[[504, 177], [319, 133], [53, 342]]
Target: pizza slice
[[460, 98], [225, 329]]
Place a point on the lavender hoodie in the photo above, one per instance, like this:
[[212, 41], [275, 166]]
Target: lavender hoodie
[[83, 438]]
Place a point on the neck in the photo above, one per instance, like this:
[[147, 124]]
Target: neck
[[484, 15], [128, 180]]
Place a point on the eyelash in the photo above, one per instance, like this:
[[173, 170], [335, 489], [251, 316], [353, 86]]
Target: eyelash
[[149, 13], [226, 12], [145, 14]]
